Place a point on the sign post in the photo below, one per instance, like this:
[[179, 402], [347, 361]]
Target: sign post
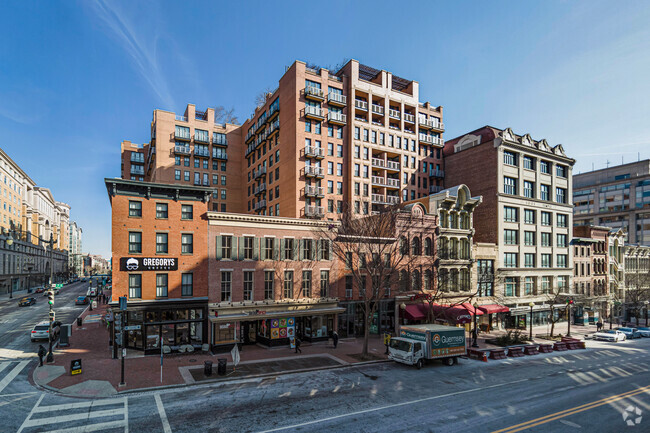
[[123, 309]]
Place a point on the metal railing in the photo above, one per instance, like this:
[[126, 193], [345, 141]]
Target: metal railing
[[314, 211], [337, 98], [260, 188], [181, 118], [409, 118], [437, 173], [361, 105], [314, 152], [336, 117], [314, 91], [314, 191], [377, 109], [314, 111], [394, 114], [201, 152], [260, 205], [185, 150], [311, 170], [433, 189], [392, 165]]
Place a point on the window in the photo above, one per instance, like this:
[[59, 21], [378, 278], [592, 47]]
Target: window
[[544, 167], [268, 284], [339, 187], [529, 189], [529, 238], [248, 285], [546, 284], [226, 286], [560, 195], [177, 175], [187, 212], [510, 286], [330, 131], [161, 210], [135, 286], [161, 243], [544, 192], [339, 169], [509, 185], [562, 261], [177, 160], [510, 214], [339, 132], [161, 285], [223, 180], [330, 149], [546, 218], [529, 162], [135, 208], [288, 249], [307, 126], [529, 216], [510, 260], [307, 249], [357, 133], [561, 240], [560, 171], [546, 239], [135, 242], [529, 260], [510, 237], [187, 243], [269, 249], [324, 284], [562, 220], [248, 247], [509, 158], [306, 284], [186, 176], [546, 260], [226, 247], [529, 285], [330, 167], [223, 194], [323, 249], [288, 284], [365, 135]]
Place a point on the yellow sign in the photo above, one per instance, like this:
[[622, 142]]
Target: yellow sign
[[386, 339]]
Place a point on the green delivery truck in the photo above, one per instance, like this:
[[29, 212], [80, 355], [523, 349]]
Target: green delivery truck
[[417, 344]]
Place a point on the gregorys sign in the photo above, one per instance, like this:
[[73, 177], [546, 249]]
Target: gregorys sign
[[132, 264]]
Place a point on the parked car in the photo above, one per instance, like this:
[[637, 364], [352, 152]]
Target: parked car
[[81, 300], [26, 301], [644, 331], [42, 331], [39, 290], [610, 335], [630, 332]]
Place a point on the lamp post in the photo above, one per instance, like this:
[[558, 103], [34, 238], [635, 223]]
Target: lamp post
[[531, 305], [568, 321], [646, 312], [475, 343]]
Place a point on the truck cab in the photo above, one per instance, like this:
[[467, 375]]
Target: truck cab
[[406, 351]]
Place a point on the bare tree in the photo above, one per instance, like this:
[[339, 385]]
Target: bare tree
[[223, 115], [260, 98], [637, 291], [369, 249]]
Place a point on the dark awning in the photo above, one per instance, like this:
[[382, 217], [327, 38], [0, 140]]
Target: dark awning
[[458, 314], [493, 308], [415, 312]]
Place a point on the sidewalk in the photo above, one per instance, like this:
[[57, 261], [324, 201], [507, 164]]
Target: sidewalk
[[577, 331]]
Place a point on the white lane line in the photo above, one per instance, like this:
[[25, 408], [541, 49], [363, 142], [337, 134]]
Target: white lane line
[[3, 365], [89, 427], [126, 415], [74, 417], [18, 394], [83, 404], [31, 413], [406, 403], [12, 374], [163, 415]]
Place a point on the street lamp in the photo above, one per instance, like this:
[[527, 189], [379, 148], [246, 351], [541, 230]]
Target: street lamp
[[569, 303], [531, 305], [475, 343], [646, 312]]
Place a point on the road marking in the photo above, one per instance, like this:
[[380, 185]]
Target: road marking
[[12, 374], [163, 415], [73, 417], [82, 404], [90, 428], [31, 413], [572, 411], [3, 365], [406, 403]]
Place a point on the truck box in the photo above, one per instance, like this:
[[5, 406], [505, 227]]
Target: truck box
[[419, 343]]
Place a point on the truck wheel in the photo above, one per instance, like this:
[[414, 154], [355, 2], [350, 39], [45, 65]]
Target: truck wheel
[[419, 364], [448, 361]]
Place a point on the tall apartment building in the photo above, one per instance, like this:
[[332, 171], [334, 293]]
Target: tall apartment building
[[322, 140], [133, 156], [616, 197], [75, 257], [526, 211], [12, 179]]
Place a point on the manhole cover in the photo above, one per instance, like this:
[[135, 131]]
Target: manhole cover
[[192, 360]]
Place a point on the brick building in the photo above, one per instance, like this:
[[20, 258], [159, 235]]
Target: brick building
[[591, 271]]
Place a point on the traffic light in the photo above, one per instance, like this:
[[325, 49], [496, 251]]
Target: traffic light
[[52, 317], [50, 297], [569, 301]]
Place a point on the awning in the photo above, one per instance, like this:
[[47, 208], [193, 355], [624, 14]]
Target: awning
[[275, 315], [493, 308], [458, 314], [415, 312]]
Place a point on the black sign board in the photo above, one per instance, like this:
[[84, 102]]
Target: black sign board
[[75, 366], [134, 264]]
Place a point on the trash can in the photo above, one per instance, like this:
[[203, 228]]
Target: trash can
[[221, 368], [79, 320], [207, 368]]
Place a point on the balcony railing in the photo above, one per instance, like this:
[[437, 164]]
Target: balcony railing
[[312, 92], [136, 169], [437, 173], [250, 148], [361, 105], [339, 118], [431, 123], [314, 112], [336, 99], [384, 199], [314, 211], [392, 165], [427, 139], [376, 162], [409, 118], [314, 191], [378, 180], [438, 141], [314, 152], [274, 127], [182, 135], [272, 111], [201, 152], [219, 155], [259, 173], [137, 158], [201, 138], [260, 188], [183, 150], [394, 114], [259, 205], [392, 183], [181, 118], [313, 171], [433, 189], [377, 109], [220, 140]]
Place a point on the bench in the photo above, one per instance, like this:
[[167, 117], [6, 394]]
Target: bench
[[478, 354], [545, 348], [515, 352], [560, 347], [498, 354], [531, 350]]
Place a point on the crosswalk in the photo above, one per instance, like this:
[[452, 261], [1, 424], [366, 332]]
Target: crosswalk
[[84, 416], [13, 369]]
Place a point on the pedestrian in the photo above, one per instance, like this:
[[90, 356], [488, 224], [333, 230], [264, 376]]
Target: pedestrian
[[41, 353], [298, 342], [335, 338], [599, 325]]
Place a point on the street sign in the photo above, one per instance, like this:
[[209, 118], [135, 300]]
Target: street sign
[[122, 303], [123, 353], [58, 286], [75, 366], [132, 328]]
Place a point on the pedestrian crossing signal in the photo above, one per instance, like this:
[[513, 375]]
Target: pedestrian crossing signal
[[51, 316]]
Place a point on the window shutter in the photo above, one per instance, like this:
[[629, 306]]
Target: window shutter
[[257, 243], [312, 249], [218, 255], [241, 248], [328, 245]]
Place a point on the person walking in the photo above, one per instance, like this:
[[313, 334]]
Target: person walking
[[599, 325], [335, 338], [298, 342], [41, 353]]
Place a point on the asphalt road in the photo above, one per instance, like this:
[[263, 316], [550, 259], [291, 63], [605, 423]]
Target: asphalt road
[[573, 391], [16, 322]]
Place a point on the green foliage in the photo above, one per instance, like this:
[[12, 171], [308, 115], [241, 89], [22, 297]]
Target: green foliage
[[512, 337]]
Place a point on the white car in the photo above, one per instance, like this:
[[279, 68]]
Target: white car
[[611, 335]]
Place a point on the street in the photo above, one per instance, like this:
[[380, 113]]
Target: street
[[578, 390]]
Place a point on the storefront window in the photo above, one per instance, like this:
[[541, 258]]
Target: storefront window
[[196, 313], [151, 316], [196, 333], [166, 316], [224, 332], [168, 335], [181, 315], [153, 337], [135, 316], [182, 333]]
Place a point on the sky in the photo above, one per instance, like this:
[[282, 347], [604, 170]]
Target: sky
[[77, 78]]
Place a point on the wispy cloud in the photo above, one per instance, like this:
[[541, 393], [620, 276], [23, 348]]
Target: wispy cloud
[[142, 50]]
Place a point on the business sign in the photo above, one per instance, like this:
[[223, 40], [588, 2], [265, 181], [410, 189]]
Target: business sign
[[132, 264], [413, 335], [443, 344], [75, 366]]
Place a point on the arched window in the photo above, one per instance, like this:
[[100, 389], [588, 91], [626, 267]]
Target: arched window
[[453, 220], [444, 219], [403, 246], [403, 281], [464, 249], [428, 280], [464, 221], [416, 248], [428, 251], [416, 282]]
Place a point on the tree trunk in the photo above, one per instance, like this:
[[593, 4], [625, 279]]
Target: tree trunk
[[552, 322], [366, 337]]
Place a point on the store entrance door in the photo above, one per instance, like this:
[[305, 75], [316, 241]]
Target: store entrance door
[[248, 332]]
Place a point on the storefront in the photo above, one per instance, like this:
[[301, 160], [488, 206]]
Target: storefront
[[177, 325], [270, 325], [352, 323], [519, 317]]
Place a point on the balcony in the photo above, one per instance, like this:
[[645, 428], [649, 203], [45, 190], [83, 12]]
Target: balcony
[[314, 211], [336, 118], [250, 135], [437, 141], [259, 189], [201, 152], [431, 124], [378, 180], [394, 114], [219, 155], [313, 171], [181, 118], [392, 183], [273, 110], [392, 165], [274, 127], [379, 163], [314, 191], [361, 105], [314, 152], [137, 169], [250, 149], [315, 113], [183, 135], [437, 173], [314, 93], [434, 189], [201, 138], [259, 173], [426, 139], [137, 158], [336, 99], [377, 109], [385, 199], [182, 150], [220, 140], [259, 205], [410, 118]]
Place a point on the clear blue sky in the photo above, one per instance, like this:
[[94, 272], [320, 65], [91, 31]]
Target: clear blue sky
[[77, 78]]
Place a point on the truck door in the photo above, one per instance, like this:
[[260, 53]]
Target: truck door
[[417, 351]]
